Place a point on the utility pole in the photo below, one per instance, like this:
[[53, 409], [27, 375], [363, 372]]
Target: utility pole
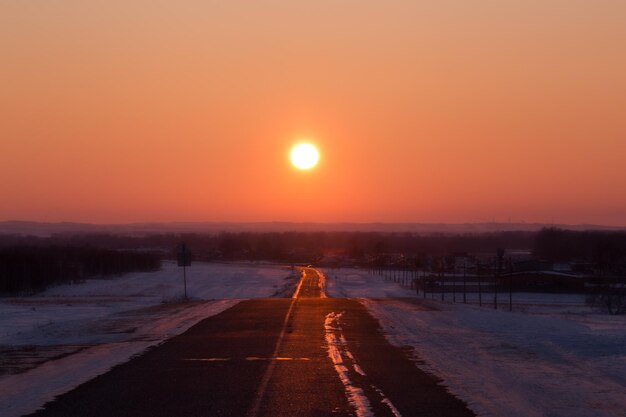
[[184, 260], [510, 287]]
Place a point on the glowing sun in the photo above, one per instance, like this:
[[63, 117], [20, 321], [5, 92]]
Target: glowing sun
[[304, 156]]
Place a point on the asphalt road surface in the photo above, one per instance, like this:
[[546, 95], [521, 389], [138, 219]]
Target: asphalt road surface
[[301, 356]]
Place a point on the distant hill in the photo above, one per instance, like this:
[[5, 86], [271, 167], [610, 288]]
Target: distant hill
[[48, 229]]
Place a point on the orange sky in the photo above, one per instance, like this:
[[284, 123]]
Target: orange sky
[[423, 111]]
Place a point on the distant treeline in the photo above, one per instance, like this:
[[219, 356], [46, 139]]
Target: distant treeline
[[551, 245], [28, 269], [310, 247], [290, 246]]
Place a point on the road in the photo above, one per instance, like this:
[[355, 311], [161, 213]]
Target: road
[[303, 356]]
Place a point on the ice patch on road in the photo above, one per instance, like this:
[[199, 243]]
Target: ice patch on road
[[393, 409], [322, 283], [358, 369], [356, 396], [337, 347]]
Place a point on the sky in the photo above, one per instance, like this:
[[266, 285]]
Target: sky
[[450, 111]]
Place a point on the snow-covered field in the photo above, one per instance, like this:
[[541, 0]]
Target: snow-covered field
[[552, 356], [54, 341]]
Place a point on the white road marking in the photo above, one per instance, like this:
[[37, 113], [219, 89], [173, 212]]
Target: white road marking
[[256, 405], [297, 293]]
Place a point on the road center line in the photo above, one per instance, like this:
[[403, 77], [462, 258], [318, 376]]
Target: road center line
[[297, 293], [256, 405]]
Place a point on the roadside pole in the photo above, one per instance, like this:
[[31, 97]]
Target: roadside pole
[[510, 288], [464, 282], [184, 260], [498, 273], [495, 285], [480, 291]]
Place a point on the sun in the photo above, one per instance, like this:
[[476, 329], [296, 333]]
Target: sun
[[304, 156]]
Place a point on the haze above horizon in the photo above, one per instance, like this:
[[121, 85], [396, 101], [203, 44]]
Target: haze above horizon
[[422, 112]]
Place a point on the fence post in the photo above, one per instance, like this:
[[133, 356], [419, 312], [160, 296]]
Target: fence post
[[495, 285], [464, 283], [442, 275], [480, 289]]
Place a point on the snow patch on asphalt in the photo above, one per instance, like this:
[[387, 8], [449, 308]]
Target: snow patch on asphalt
[[356, 396], [337, 347], [322, 283], [388, 403]]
